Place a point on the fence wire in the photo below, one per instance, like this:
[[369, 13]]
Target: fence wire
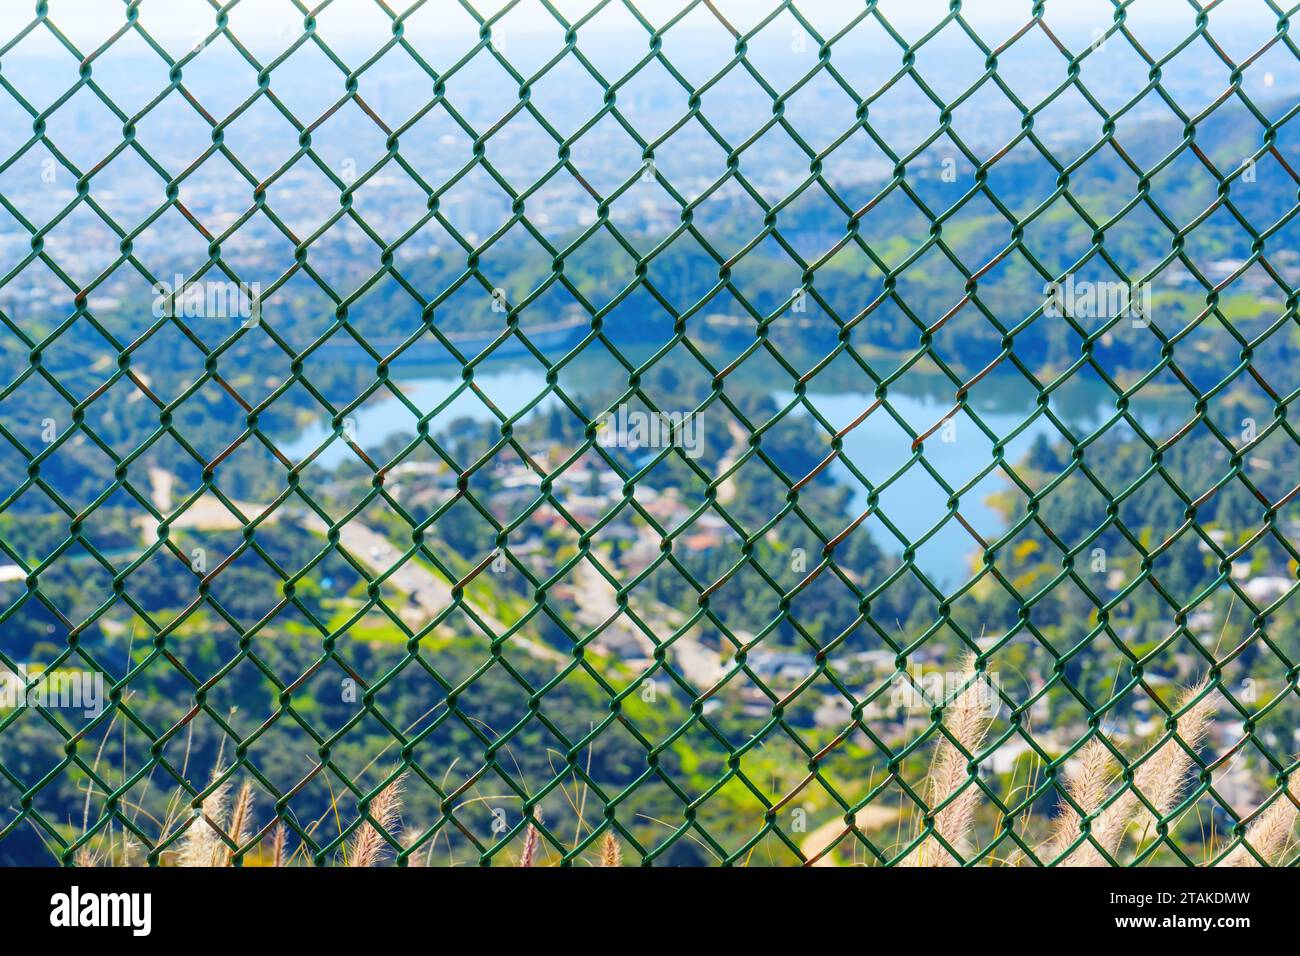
[[579, 616]]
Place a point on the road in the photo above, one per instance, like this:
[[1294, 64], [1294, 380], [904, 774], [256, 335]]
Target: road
[[739, 444], [429, 592], [370, 548], [597, 604]]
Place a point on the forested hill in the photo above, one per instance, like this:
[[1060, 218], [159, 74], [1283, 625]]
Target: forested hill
[[1026, 217]]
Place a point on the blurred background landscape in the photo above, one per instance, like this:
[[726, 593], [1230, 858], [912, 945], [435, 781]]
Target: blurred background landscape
[[372, 527]]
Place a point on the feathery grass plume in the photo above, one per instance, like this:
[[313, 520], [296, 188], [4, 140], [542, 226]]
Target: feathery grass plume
[[414, 860], [1269, 835], [130, 851], [278, 838], [85, 857], [240, 819], [1161, 779], [531, 839], [368, 843], [967, 719], [610, 852], [1087, 788], [202, 844]]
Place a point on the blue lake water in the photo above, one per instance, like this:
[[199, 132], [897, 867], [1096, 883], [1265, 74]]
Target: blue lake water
[[383, 416], [877, 447]]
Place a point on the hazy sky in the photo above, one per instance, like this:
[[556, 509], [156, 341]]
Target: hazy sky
[[89, 21]]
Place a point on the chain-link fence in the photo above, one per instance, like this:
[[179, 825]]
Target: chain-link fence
[[608, 433]]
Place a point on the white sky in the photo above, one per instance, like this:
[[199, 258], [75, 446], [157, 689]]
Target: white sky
[[88, 21]]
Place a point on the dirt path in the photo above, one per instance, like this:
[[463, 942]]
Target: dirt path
[[867, 819]]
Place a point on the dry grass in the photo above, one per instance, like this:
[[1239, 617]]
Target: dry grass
[[202, 844], [967, 720], [1160, 784], [610, 852], [279, 837], [369, 843], [1161, 779], [1087, 788], [241, 819], [531, 840]]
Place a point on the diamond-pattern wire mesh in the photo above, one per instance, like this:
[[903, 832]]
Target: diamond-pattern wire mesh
[[463, 606]]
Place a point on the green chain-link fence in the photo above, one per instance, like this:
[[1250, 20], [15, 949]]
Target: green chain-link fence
[[717, 642]]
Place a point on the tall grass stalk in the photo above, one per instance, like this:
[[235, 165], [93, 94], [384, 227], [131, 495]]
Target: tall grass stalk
[[369, 843], [967, 719], [202, 844], [1269, 835], [1161, 779], [1087, 788]]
